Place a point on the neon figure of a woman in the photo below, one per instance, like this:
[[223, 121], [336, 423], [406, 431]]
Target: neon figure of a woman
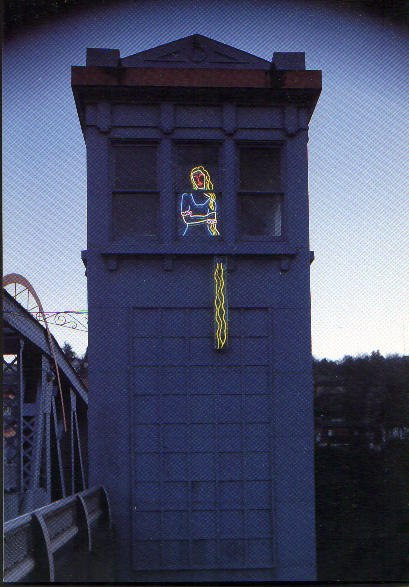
[[200, 214]]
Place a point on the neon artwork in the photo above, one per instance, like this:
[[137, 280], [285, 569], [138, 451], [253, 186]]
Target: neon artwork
[[203, 213], [220, 305]]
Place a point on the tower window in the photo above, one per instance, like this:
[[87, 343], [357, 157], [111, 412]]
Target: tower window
[[259, 195], [135, 204]]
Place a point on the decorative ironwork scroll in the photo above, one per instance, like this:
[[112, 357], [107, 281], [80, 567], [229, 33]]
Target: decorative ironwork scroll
[[220, 304], [75, 320]]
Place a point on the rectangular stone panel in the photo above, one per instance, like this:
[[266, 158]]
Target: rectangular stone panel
[[175, 524], [146, 409], [175, 495], [146, 466], [257, 494], [255, 322], [146, 554], [175, 466], [173, 322], [201, 380], [198, 116], [175, 554], [228, 379], [259, 523], [231, 494], [145, 380], [259, 117], [257, 436], [231, 523], [232, 553], [202, 409], [202, 351], [203, 494], [202, 466], [202, 437], [230, 466], [175, 408], [203, 553], [257, 408], [134, 115], [146, 496], [201, 322], [175, 437], [145, 322], [230, 437], [257, 465], [256, 379], [173, 351], [146, 351], [174, 380], [256, 351], [146, 525], [146, 437], [229, 408], [260, 553], [203, 524]]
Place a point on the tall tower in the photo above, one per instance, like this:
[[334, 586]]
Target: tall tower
[[200, 371]]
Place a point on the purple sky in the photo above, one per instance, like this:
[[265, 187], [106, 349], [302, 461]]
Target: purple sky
[[358, 153]]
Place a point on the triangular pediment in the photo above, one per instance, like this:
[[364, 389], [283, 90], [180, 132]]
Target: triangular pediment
[[195, 51]]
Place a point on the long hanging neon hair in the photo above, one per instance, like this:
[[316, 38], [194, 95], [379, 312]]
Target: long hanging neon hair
[[207, 186]]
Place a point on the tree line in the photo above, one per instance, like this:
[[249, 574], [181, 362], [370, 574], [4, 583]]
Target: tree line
[[80, 364], [369, 390]]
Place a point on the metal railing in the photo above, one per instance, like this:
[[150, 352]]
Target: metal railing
[[37, 544]]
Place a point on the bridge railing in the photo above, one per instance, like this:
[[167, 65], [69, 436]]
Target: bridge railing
[[42, 545]]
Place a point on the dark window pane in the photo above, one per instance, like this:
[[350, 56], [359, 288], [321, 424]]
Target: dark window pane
[[135, 215], [135, 168], [260, 215], [260, 169], [191, 156]]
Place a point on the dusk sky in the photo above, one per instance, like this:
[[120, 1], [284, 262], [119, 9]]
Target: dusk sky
[[358, 153]]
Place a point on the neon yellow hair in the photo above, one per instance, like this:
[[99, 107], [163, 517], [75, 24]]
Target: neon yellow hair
[[207, 184]]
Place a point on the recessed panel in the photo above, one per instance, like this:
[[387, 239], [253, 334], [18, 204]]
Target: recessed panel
[[175, 495], [232, 553], [202, 466], [230, 437], [203, 494], [175, 524], [231, 523], [230, 466], [202, 437], [146, 496], [147, 525], [201, 440], [175, 437], [175, 408], [203, 524], [173, 380], [146, 437], [257, 408], [175, 466], [173, 322]]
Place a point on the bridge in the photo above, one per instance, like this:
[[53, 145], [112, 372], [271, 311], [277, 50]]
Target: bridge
[[45, 434]]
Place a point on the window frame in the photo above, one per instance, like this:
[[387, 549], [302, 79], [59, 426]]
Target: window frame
[[113, 146], [258, 144]]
